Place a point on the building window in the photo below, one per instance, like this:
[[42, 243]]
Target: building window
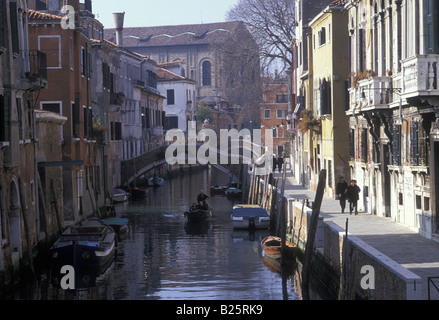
[[414, 138], [170, 97], [426, 204], [322, 36], [282, 98], [364, 145], [279, 114], [267, 114], [418, 202], [401, 199], [207, 73], [352, 143]]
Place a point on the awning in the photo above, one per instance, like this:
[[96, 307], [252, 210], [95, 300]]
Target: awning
[[298, 109]]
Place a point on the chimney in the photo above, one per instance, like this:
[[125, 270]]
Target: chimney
[[88, 6], [118, 21]]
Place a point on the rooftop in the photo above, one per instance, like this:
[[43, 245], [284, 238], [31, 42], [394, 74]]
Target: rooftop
[[176, 35]]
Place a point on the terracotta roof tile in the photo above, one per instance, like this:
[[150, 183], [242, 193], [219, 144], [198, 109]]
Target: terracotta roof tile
[[38, 15]]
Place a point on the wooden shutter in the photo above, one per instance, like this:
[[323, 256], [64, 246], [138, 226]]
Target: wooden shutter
[[364, 145], [352, 143], [2, 21], [396, 145], [414, 142], [14, 27]]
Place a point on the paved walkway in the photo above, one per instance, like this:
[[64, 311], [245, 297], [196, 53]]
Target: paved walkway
[[411, 250]]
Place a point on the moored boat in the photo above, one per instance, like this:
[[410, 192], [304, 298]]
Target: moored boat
[[233, 192], [250, 217], [119, 225], [218, 189], [89, 244], [273, 248], [197, 214], [156, 181], [119, 195]]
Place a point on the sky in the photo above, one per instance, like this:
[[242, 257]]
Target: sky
[[146, 13]]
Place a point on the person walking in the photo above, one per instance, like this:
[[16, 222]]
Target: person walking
[[341, 191], [353, 196], [274, 163], [280, 163]]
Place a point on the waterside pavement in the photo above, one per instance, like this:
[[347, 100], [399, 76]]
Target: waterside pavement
[[391, 240]]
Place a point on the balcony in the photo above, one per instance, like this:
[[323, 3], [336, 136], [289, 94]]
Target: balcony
[[371, 94], [420, 76], [36, 78]]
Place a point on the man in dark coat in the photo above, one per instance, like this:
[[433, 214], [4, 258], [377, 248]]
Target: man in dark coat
[[280, 163], [341, 191], [274, 163], [202, 197], [353, 196]]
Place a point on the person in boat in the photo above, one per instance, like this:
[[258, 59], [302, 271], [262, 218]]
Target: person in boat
[[202, 206], [194, 206], [202, 197]]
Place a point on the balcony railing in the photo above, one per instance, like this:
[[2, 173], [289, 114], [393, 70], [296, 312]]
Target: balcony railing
[[38, 63], [36, 78], [420, 76], [371, 93]]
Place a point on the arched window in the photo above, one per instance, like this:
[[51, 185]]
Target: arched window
[[207, 73]]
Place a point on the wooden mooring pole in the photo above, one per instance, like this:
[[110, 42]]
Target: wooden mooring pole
[[312, 234], [283, 216]]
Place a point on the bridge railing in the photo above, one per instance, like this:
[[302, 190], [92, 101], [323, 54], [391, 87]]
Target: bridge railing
[[130, 168]]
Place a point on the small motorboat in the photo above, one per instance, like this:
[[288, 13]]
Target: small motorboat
[[197, 214], [119, 195], [233, 192], [218, 189], [273, 248], [250, 217], [156, 181], [90, 244]]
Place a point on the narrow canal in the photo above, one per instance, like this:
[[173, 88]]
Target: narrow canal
[[162, 257]]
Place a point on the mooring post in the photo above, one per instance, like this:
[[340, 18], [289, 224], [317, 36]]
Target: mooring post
[[312, 234]]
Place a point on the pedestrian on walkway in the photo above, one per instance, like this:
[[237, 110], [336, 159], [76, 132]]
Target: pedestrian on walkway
[[274, 163], [341, 190], [353, 196], [280, 163]]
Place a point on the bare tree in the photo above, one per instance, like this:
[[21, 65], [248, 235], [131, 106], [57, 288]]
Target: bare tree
[[272, 24]]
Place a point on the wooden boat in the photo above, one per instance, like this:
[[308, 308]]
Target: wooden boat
[[89, 244], [156, 181], [119, 195], [119, 225], [250, 217], [218, 189], [198, 214], [273, 246], [233, 192]]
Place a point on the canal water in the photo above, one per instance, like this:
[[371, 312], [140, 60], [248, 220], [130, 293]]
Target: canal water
[[162, 257]]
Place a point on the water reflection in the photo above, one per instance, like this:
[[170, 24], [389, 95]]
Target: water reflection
[[164, 257]]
